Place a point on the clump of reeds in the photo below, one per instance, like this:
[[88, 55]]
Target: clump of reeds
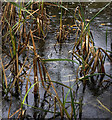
[[16, 29], [63, 32], [91, 59]]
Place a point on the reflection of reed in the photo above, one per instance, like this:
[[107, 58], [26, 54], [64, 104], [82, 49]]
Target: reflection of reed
[[97, 85]]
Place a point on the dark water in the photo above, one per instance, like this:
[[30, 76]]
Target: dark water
[[65, 71]]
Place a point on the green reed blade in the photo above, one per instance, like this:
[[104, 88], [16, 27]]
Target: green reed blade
[[96, 15], [43, 110], [48, 60], [28, 92], [12, 38], [72, 101], [67, 94], [19, 6]]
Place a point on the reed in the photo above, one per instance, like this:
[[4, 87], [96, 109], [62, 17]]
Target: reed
[[88, 50], [25, 23]]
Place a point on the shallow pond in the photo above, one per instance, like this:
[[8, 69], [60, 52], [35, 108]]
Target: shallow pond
[[65, 72]]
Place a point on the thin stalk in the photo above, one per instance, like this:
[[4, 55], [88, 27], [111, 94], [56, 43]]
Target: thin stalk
[[72, 101]]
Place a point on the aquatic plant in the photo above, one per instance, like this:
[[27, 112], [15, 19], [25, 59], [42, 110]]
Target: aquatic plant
[[25, 23]]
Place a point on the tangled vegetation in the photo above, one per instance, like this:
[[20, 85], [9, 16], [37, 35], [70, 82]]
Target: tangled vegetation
[[23, 25]]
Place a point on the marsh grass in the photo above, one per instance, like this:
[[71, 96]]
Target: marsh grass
[[22, 25], [91, 59]]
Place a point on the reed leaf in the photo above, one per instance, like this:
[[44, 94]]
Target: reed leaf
[[12, 37], [48, 60], [104, 106], [96, 15], [72, 103]]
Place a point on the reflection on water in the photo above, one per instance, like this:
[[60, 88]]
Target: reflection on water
[[65, 72]]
